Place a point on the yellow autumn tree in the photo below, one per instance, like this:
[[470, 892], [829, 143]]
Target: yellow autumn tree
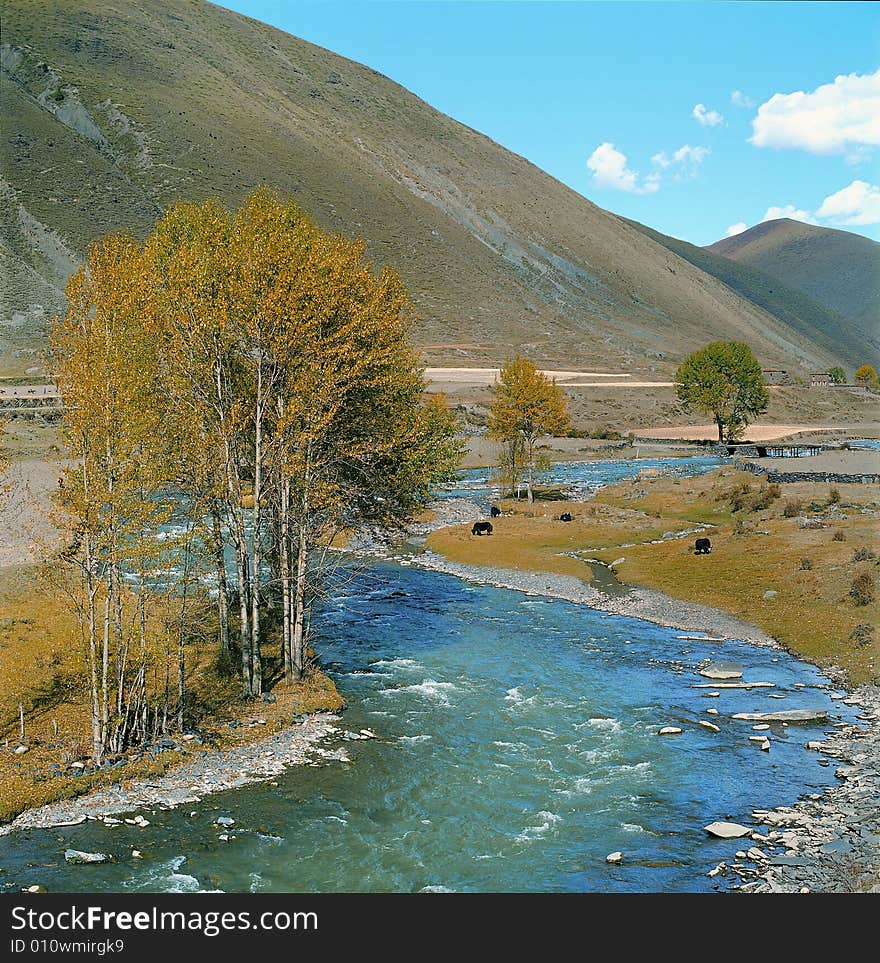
[[110, 502], [286, 357], [867, 376], [527, 405]]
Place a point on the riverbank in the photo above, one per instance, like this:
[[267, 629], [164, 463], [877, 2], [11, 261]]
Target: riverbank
[[634, 602], [191, 780], [41, 673], [825, 842]]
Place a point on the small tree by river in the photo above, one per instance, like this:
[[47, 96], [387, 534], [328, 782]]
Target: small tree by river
[[526, 406]]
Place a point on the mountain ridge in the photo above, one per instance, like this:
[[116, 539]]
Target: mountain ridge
[[121, 107], [835, 268]]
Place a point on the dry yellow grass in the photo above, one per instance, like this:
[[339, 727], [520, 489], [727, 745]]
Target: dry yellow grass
[[534, 539], [812, 614], [41, 667]]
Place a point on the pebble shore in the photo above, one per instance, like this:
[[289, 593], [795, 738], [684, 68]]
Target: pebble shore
[[211, 772]]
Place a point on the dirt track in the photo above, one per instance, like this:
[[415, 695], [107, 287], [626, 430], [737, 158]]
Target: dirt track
[[25, 528], [753, 433]]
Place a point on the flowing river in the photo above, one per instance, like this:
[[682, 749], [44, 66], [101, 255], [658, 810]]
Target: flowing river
[[517, 746]]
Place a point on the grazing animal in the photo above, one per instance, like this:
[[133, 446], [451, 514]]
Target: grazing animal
[[494, 511], [702, 546], [482, 528], [565, 517]]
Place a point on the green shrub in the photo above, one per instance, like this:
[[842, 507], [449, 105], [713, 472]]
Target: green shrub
[[792, 507], [834, 495], [838, 537], [863, 588], [863, 554], [806, 564], [862, 635]]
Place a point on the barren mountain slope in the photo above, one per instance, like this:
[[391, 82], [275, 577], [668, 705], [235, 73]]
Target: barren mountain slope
[[836, 268], [112, 109]]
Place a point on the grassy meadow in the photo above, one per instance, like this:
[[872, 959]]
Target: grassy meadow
[[758, 545]]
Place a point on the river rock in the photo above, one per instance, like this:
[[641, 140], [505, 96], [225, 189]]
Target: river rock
[[725, 830], [733, 685], [669, 731], [770, 594], [784, 715], [713, 711], [616, 562], [757, 738], [21, 750], [614, 857], [761, 727], [224, 821], [709, 725], [722, 670], [77, 857], [137, 854], [36, 888]]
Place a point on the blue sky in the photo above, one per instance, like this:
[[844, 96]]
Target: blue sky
[[604, 96]]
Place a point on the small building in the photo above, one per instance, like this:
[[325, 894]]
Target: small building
[[775, 376], [821, 379]]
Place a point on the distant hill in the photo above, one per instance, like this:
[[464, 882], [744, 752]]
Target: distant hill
[[112, 109], [826, 327], [838, 269]]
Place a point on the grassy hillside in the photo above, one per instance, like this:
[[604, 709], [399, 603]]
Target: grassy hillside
[[838, 269], [817, 321], [119, 107]]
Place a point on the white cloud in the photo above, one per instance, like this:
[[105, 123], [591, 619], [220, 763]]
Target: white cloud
[[838, 118], [854, 205], [683, 162], [790, 211], [685, 155], [735, 229], [609, 167], [708, 118], [739, 99]]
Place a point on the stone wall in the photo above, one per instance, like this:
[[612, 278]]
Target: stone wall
[[808, 476]]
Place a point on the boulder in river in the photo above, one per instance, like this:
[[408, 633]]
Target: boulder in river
[[77, 856], [725, 830], [669, 731], [784, 715], [224, 821], [733, 685], [614, 857], [709, 725], [722, 670]]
